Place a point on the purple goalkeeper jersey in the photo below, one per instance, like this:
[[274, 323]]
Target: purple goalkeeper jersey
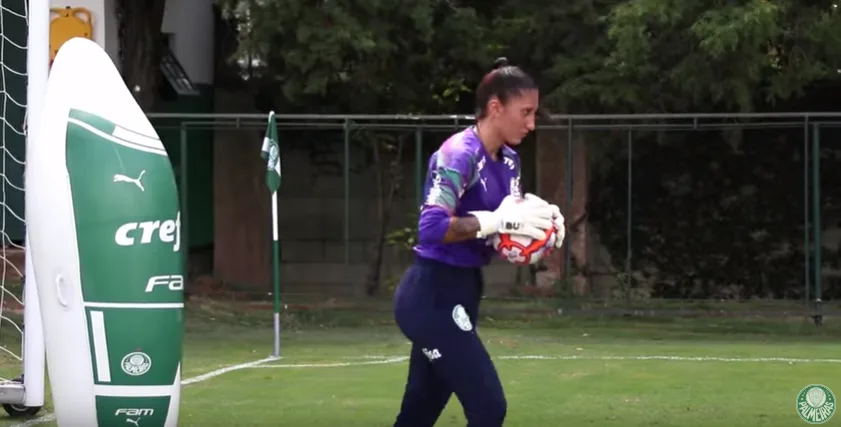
[[462, 177]]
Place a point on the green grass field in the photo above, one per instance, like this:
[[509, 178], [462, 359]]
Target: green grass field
[[347, 368]]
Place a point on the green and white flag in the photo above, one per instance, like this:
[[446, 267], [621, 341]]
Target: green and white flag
[[271, 153]]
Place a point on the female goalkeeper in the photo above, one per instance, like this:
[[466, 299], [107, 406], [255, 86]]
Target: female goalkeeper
[[472, 191]]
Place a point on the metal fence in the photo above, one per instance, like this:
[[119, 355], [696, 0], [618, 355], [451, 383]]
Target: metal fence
[[672, 206]]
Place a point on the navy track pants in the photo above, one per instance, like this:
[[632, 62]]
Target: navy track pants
[[436, 308]]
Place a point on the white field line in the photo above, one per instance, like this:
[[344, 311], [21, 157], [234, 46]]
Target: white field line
[[225, 370], [203, 377], [678, 359], [376, 361]]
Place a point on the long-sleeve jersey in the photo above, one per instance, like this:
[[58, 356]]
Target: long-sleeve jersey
[[462, 177]]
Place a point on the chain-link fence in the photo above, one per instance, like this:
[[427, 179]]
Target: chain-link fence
[[659, 207]]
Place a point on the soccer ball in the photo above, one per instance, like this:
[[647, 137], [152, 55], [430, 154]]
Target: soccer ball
[[523, 250]]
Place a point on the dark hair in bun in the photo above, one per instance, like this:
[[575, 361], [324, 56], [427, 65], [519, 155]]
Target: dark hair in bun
[[504, 81]]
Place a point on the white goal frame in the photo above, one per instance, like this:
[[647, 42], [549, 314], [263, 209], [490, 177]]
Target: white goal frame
[[30, 393]]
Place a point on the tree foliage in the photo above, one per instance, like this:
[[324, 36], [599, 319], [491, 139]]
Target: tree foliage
[[367, 55], [590, 55], [713, 54]]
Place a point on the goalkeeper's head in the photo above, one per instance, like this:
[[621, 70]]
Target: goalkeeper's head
[[506, 103]]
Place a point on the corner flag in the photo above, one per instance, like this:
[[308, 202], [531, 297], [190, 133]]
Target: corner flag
[[271, 153]]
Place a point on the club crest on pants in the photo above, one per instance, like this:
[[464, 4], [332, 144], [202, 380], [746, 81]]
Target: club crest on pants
[[461, 318]]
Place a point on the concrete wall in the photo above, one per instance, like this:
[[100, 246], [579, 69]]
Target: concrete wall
[[312, 214], [191, 24]]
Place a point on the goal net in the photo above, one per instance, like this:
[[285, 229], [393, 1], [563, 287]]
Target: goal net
[[13, 34], [16, 318]]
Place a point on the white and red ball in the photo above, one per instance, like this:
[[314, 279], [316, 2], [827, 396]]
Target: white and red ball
[[523, 250]]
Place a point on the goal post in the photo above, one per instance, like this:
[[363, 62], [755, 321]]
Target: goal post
[[24, 54], [37, 65]]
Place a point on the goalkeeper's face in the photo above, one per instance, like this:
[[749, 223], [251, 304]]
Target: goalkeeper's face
[[516, 117]]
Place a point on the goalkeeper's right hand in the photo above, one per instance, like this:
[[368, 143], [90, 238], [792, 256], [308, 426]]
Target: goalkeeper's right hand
[[515, 215]]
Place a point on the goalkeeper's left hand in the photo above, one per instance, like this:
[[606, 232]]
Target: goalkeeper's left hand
[[557, 220]]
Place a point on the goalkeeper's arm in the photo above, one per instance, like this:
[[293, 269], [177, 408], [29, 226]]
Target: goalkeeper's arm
[[438, 222], [437, 225], [514, 216]]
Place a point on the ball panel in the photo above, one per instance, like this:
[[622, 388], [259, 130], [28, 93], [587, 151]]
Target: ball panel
[[522, 250]]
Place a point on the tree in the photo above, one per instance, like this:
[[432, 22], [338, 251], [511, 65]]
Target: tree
[[672, 56], [140, 47], [361, 56], [387, 153]]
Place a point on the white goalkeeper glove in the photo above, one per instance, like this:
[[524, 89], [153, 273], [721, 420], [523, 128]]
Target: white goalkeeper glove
[[560, 226], [557, 219], [524, 216]]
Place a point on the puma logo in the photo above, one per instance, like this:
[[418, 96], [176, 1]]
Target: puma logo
[[135, 422], [136, 181]]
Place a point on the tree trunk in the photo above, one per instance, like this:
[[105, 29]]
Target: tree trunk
[[553, 155], [389, 177], [140, 47], [242, 206]]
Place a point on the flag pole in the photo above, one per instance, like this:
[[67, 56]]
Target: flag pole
[[271, 153], [276, 276]]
